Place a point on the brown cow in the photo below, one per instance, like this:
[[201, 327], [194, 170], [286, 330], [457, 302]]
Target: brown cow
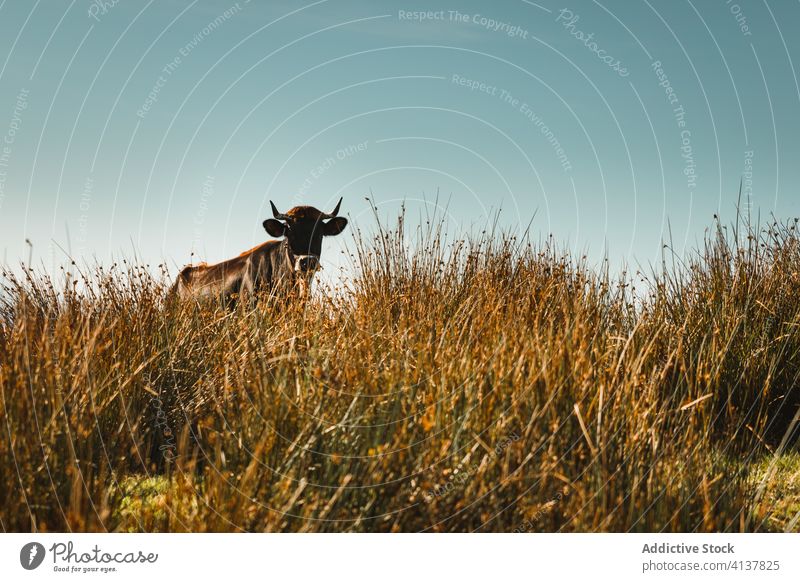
[[276, 265]]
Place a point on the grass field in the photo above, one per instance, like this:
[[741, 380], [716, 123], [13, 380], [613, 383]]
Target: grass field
[[482, 384]]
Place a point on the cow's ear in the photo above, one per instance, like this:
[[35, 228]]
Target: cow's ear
[[334, 226], [274, 227]]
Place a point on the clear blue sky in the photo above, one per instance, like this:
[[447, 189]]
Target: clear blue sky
[[168, 125]]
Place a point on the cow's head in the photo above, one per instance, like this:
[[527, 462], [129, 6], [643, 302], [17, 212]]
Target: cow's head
[[304, 227]]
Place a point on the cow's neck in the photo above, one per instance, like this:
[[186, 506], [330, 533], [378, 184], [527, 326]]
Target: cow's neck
[[301, 283], [287, 254]]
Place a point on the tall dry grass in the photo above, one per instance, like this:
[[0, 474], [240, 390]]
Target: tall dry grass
[[481, 384]]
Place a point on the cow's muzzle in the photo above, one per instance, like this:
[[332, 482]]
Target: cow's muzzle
[[306, 264]]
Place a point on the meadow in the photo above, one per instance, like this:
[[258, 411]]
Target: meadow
[[475, 383]]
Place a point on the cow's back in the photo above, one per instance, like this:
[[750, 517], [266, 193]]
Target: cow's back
[[255, 269]]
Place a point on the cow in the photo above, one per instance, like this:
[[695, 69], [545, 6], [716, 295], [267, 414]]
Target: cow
[[276, 266]]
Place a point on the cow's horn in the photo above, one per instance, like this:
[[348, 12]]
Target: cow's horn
[[335, 211], [275, 212]]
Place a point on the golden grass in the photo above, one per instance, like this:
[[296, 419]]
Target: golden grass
[[483, 384]]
